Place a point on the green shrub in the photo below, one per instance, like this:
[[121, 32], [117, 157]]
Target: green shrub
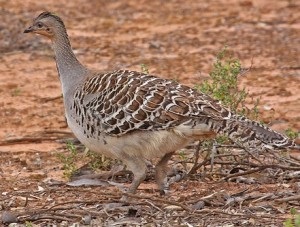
[[69, 160], [223, 85]]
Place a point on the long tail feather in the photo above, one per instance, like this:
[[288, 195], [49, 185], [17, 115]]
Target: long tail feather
[[252, 134]]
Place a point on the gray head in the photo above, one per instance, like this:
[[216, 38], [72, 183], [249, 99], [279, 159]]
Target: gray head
[[47, 24]]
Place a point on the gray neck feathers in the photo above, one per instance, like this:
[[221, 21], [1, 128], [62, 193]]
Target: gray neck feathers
[[71, 71]]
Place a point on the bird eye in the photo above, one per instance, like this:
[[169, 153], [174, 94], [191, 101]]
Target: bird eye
[[39, 25]]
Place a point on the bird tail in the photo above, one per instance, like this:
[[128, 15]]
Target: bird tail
[[251, 134]]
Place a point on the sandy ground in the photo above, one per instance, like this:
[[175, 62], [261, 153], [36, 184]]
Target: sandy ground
[[175, 39]]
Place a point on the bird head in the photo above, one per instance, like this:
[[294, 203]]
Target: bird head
[[46, 24]]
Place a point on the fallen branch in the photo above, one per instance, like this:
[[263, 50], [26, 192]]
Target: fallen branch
[[164, 201], [27, 139], [37, 138], [219, 211], [48, 99], [244, 173], [290, 198], [41, 217]]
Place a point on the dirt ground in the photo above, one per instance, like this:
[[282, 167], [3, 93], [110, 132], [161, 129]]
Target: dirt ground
[[175, 39]]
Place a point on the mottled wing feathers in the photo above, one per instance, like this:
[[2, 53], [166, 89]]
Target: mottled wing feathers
[[254, 134], [124, 101]]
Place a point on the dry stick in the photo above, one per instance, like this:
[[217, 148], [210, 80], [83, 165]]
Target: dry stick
[[218, 211], [206, 199], [56, 206], [240, 193], [287, 199], [156, 207], [211, 195], [244, 173], [295, 157], [196, 166], [284, 159], [231, 163], [35, 139], [51, 98], [252, 164], [246, 70], [27, 139], [66, 215], [53, 217], [267, 195], [194, 169], [84, 211], [112, 194], [274, 166], [51, 210], [197, 154], [164, 201], [55, 132], [252, 155], [229, 155]]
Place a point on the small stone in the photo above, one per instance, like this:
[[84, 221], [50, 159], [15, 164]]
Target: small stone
[[9, 217], [86, 220]]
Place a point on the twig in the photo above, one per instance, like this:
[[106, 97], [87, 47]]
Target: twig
[[71, 202], [252, 155], [66, 214], [244, 173], [287, 199], [263, 197], [285, 159], [274, 166], [56, 132], [53, 217], [164, 201], [195, 166], [48, 99], [218, 211], [156, 207], [246, 70], [37, 138], [27, 139], [211, 195], [295, 158]]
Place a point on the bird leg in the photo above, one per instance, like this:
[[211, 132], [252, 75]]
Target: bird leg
[[161, 170], [139, 169]]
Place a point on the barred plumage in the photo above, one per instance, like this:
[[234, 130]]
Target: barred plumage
[[134, 116], [124, 101]]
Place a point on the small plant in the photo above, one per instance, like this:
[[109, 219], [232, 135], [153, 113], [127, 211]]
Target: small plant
[[98, 161], [222, 139], [182, 155], [223, 85], [144, 68], [294, 221], [28, 224], [16, 92], [291, 134], [69, 160]]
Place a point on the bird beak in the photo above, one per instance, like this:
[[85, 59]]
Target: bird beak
[[28, 30]]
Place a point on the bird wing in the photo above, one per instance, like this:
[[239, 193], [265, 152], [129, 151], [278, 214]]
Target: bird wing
[[124, 101]]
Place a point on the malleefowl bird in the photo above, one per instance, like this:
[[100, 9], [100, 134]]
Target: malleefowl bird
[[135, 117]]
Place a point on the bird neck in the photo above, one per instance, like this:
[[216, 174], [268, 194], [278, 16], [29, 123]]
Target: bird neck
[[70, 70]]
